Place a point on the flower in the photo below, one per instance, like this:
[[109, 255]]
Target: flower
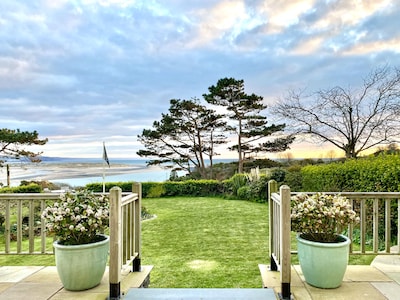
[[78, 218], [321, 217]]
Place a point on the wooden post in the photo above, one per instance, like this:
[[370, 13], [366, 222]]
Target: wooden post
[[115, 264], [136, 264], [387, 226], [272, 188], [362, 226], [31, 225], [285, 227], [375, 226]]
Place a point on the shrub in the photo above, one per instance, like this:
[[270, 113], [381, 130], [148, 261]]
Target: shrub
[[244, 193], [2, 219], [278, 174], [30, 188], [293, 178], [153, 190], [77, 218], [321, 217], [259, 189], [232, 184]]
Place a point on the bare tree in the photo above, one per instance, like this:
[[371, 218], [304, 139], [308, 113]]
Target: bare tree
[[353, 120], [287, 156], [331, 155]]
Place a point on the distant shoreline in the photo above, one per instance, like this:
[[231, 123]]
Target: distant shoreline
[[80, 171], [59, 171]]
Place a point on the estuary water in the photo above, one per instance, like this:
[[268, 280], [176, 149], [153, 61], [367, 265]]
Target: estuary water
[[76, 172]]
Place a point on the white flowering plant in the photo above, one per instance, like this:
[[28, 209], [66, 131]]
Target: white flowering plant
[[321, 217], [77, 218]]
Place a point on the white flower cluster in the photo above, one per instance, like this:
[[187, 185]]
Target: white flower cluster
[[77, 218], [321, 217]]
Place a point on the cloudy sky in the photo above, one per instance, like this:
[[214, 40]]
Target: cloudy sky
[[81, 72]]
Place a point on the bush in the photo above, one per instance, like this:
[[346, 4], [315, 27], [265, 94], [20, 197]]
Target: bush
[[278, 175], [293, 178], [244, 193], [2, 219], [153, 190], [232, 184], [259, 189], [30, 188]]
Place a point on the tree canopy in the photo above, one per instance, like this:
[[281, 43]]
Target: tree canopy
[[352, 120], [13, 142], [185, 137], [250, 125]]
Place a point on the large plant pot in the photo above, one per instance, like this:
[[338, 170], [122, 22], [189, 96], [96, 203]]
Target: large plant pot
[[323, 264], [81, 267]]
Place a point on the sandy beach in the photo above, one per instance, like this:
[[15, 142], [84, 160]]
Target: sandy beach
[[59, 171]]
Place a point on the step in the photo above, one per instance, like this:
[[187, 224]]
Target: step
[[136, 279], [200, 294]]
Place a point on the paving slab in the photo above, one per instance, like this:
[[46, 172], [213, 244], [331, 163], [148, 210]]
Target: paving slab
[[391, 290], [395, 276], [347, 291], [364, 273], [387, 263], [4, 286], [44, 275], [17, 273], [30, 290], [300, 293]]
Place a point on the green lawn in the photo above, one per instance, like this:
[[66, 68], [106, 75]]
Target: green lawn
[[205, 242]]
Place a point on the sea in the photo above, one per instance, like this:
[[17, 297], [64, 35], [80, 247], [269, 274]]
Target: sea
[[140, 171]]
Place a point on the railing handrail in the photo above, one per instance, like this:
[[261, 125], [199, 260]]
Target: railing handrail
[[129, 198], [276, 198], [30, 196], [359, 195]]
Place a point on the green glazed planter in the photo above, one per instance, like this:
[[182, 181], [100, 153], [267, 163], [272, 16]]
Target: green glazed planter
[[323, 264], [81, 267]]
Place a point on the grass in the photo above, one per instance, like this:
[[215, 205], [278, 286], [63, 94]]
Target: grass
[[205, 242], [199, 243]]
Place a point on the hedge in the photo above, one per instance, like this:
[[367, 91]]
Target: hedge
[[31, 188], [194, 188], [371, 174]]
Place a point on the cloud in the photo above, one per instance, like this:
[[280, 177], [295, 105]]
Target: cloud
[[84, 71]]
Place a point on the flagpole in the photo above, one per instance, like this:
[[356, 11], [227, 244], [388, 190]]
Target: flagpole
[[105, 160], [104, 177], [104, 169]]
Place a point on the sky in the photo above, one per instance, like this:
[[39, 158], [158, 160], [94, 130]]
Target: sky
[[86, 71]]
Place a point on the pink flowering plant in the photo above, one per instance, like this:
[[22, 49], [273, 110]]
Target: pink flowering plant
[[77, 218], [321, 217]]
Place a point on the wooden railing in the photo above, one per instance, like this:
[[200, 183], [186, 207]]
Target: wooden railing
[[124, 229], [125, 236], [371, 207], [25, 208]]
